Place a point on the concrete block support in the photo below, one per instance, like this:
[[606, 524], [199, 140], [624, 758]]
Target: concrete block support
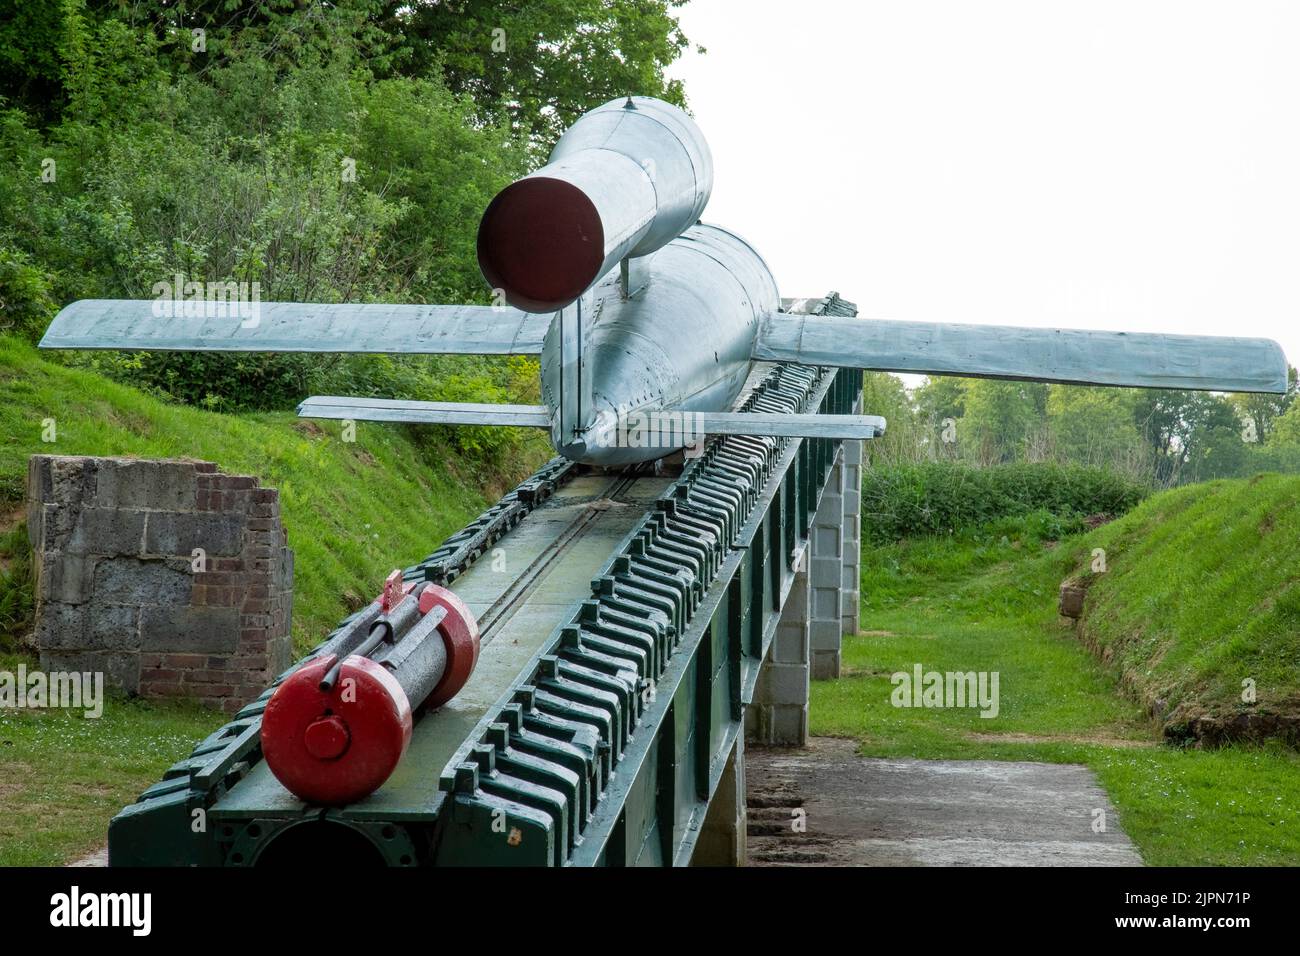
[[851, 566], [826, 628], [722, 838], [170, 578], [779, 713]]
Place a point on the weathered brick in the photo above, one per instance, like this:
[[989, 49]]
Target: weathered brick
[[159, 675], [183, 661], [121, 535]]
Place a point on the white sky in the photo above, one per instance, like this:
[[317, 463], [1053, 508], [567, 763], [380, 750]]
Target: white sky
[[1116, 165]]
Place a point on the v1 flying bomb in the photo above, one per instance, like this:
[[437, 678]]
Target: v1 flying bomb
[[639, 310]]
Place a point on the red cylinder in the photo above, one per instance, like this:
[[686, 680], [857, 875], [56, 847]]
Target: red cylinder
[[336, 746], [460, 632]]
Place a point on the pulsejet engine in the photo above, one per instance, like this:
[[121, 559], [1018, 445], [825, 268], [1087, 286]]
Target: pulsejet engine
[[600, 265]]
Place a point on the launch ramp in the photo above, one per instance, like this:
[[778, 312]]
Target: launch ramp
[[625, 620]]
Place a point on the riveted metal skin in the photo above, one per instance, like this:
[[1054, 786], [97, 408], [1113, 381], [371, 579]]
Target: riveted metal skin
[[607, 744]]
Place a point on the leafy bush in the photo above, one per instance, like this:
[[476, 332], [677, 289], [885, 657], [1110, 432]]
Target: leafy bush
[[17, 587], [942, 497]]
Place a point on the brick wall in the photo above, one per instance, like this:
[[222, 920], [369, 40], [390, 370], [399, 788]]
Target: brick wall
[[171, 578]]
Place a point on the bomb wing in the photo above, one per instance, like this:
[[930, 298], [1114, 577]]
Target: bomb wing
[[166, 325], [424, 413], [1201, 362]]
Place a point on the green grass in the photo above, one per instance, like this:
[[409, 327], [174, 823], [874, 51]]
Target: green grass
[[62, 776], [353, 511], [986, 601], [1203, 593]]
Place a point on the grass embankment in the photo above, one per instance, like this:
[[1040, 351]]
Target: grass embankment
[[354, 511], [1198, 594]]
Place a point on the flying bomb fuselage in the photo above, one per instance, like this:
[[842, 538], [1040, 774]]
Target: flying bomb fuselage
[[656, 313], [677, 345], [647, 321]]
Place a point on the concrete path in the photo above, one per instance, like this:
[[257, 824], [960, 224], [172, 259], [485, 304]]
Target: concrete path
[[857, 811]]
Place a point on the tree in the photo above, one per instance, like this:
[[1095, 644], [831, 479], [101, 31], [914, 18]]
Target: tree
[[1002, 418], [1094, 426], [539, 64], [1286, 429], [883, 394], [1258, 411], [1175, 423]]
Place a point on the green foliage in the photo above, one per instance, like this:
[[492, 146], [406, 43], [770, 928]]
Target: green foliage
[[1152, 436], [883, 394], [1094, 426], [1286, 428], [17, 586], [539, 64], [328, 152], [1001, 418], [1200, 594], [901, 501]]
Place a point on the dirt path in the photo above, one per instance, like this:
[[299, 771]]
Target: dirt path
[[826, 805]]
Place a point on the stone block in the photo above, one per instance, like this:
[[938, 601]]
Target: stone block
[[120, 669], [179, 534], [142, 582], [61, 626], [132, 483], [189, 630], [64, 578], [106, 531]]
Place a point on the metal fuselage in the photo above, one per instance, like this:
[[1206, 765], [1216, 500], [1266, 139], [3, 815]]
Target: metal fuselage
[[680, 342]]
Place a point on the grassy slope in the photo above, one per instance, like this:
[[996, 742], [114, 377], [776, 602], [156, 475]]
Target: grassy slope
[[354, 511], [1203, 592], [987, 602]]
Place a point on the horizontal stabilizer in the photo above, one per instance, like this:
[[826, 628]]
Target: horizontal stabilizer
[[1202, 362], [782, 425], [164, 325], [424, 413]]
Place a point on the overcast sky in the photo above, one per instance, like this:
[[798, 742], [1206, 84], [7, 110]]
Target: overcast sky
[[1118, 165]]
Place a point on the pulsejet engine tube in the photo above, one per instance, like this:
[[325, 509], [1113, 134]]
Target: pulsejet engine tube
[[336, 728], [625, 180]]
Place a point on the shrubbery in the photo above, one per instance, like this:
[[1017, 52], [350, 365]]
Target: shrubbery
[[900, 501]]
